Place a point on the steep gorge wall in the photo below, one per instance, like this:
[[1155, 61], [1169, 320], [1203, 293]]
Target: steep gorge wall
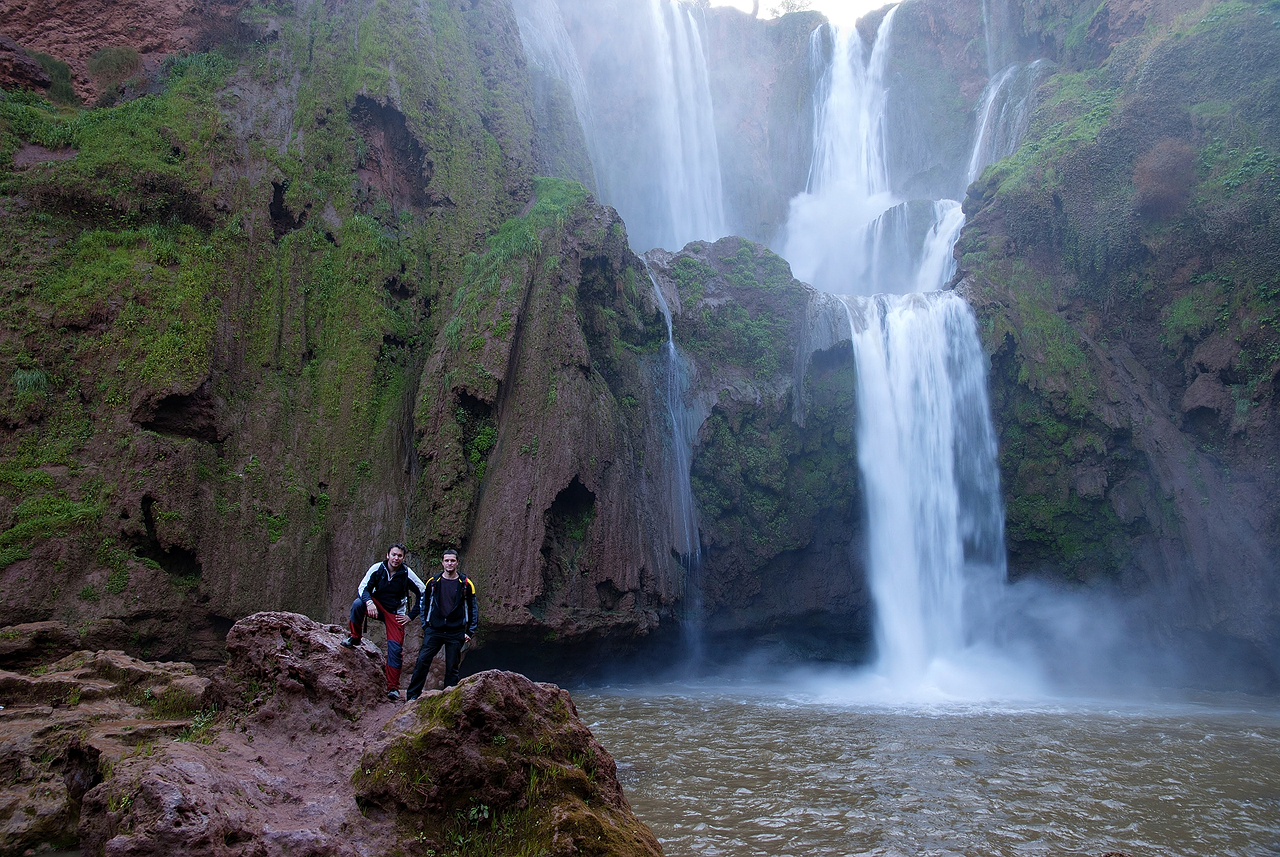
[[1123, 264], [774, 472], [254, 330]]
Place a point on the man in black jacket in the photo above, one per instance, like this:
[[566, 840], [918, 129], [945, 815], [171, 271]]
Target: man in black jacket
[[383, 594], [449, 620]]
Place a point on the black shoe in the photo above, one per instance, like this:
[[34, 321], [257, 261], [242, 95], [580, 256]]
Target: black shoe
[[411, 699], [393, 695], [349, 643]]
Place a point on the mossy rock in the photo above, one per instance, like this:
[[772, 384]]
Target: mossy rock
[[500, 765]]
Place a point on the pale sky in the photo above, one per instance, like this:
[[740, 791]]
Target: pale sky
[[840, 11]]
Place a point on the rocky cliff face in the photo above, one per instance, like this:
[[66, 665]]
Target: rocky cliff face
[[762, 81], [774, 470], [1123, 264], [306, 297], [78, 32], [255, 331]]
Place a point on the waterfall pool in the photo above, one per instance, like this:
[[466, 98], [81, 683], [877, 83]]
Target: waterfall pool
[[737, 770]]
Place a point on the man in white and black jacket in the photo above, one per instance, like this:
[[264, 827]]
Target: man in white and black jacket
[[384, 594], [449, 620]]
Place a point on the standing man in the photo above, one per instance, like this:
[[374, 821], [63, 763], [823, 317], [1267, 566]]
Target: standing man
[[384, 594], [449, 620]]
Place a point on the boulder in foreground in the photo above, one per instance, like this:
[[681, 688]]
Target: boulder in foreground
[[506, 762]]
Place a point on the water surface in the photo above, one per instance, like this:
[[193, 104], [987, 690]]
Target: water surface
[[752, 771]]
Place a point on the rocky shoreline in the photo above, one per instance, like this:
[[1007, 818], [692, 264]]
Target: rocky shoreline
[[290, 748]]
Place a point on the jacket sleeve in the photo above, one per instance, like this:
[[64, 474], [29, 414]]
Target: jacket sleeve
[[473, 613], [428, 594], [421, 588], [365, 590]]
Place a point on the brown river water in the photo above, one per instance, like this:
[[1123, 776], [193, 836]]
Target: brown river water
[[750, 770]]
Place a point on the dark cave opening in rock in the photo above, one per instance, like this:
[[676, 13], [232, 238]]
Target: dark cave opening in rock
[[192, 415]]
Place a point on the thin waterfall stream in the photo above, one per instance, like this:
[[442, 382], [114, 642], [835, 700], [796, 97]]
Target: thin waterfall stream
[[684, 516]]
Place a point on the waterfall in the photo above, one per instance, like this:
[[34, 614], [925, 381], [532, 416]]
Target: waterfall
[[656, 160], [691, 156], [684, 516], [840, 231], [927, 452], [547, 46], [1003, 114], [927, 456]]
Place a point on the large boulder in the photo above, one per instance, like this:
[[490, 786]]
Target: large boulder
[[64, 724], [288, 666], [18, 70], [503, 760]]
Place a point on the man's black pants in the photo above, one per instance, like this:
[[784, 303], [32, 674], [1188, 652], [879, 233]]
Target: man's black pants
[[432, 642]]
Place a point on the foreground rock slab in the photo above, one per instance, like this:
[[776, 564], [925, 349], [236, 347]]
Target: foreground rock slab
[[64, 725], [288, 766]]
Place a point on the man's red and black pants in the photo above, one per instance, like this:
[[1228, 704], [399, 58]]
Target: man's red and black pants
[[395, 637]]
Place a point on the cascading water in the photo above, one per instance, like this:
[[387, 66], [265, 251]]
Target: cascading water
[[691, 161], [684, 515], [927, 456], [926, 446], [547, 45], [1004, 111], [659, 163], [839, 231]]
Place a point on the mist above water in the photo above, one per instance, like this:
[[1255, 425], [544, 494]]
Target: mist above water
[[637, 73]]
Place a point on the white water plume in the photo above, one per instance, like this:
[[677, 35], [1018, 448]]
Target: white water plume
[[547, 45], [686, 542], [1003, 114], [657, 161], [691, 156], [926, 445], [927, 455], [835, 229]]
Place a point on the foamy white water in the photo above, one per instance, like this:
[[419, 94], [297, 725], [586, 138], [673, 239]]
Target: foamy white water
[[927, 455], [835, 230], [691, 155], [659, 165]]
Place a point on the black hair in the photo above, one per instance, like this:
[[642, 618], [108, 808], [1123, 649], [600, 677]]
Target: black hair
[[448, 551], [395, 545]]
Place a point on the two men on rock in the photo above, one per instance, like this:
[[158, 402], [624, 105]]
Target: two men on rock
[[446, 602]]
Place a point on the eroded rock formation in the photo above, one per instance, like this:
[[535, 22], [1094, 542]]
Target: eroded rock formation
[[292, 749], [773, 471]]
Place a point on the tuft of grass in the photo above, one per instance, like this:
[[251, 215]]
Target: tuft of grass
[[33, 381], [60, 91], [114, 65]]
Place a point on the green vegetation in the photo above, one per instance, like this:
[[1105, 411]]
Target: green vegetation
[[115, 65], [60, 89], [752, 329], [1136, 221], [763, 485]]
